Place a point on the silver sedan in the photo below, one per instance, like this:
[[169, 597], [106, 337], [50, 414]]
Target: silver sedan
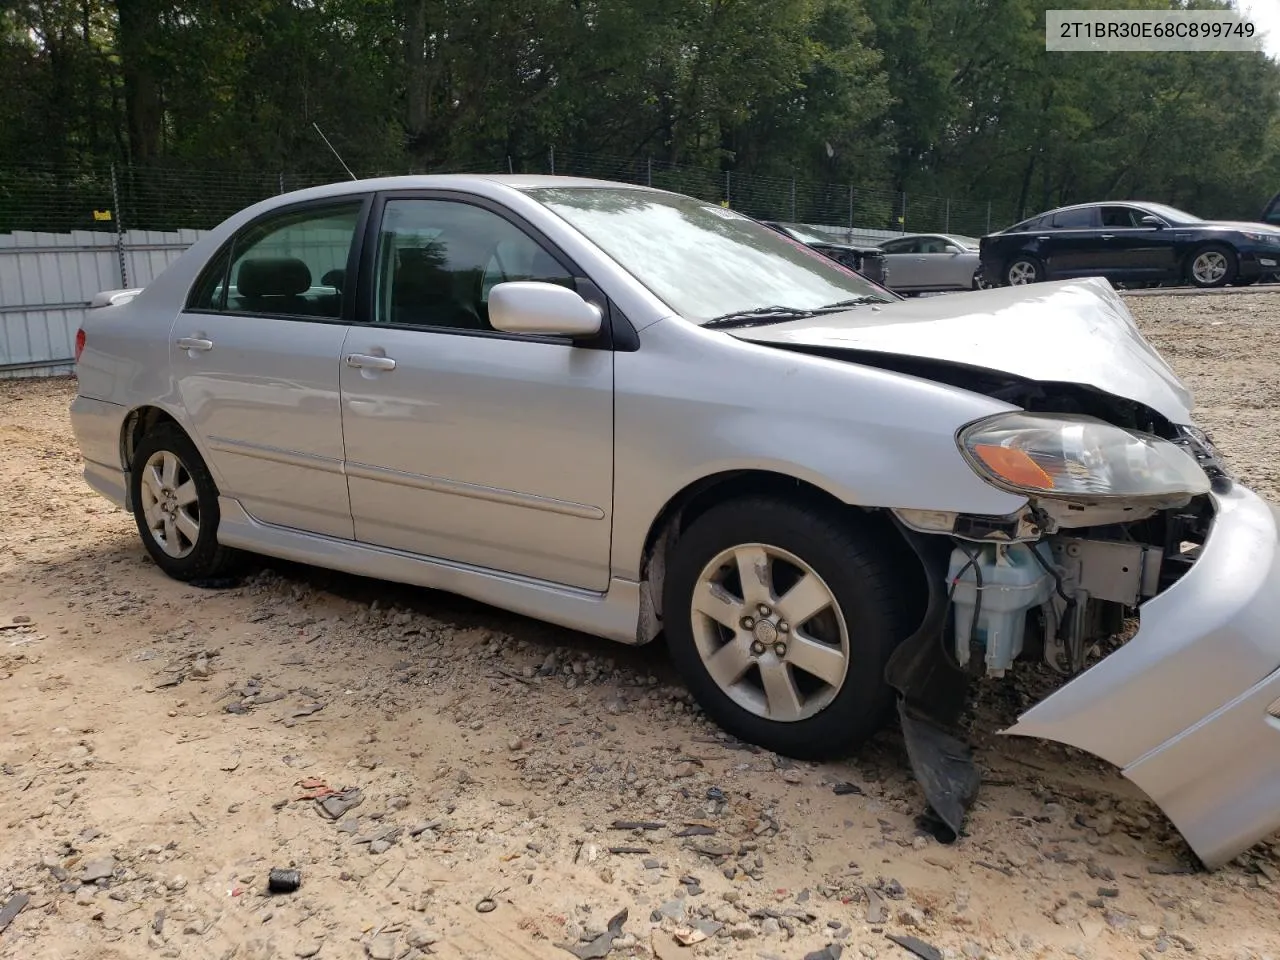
[[932, 263], [633, 413]]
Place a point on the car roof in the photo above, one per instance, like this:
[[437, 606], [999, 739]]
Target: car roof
[[457, 181]]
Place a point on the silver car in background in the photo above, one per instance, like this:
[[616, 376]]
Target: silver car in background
[[932, 263], [633, 413]]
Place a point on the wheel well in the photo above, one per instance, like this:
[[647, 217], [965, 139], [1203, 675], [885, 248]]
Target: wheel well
[[137, 425], [701, 495]]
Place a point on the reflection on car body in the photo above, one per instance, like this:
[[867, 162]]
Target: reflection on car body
[[629, 413]]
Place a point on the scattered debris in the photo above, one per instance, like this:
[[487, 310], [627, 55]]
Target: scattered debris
[[638, 825], [875, 906], [100, 868], [845, 788], [13, 906], [599, 946], [281, 880], [337, 804], [688, 936], [696, 830], [926, 951]]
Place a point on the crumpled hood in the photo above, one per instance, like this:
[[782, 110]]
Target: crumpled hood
[[1070, 331]]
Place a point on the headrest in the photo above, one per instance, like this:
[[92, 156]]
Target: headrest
[[273, 277]]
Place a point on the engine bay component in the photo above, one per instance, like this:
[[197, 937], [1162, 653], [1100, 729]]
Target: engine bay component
[[993, 586]]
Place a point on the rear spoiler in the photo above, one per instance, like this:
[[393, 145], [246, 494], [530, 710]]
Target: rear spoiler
[[111, 298]]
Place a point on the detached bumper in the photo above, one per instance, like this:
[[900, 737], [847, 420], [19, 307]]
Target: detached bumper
[[1182, 708], [97, 425]]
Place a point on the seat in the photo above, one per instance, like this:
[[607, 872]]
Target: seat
[[273, 285], [425, 292]]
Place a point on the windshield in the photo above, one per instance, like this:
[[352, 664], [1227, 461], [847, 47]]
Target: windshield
[[704, 261], [1172, 214]]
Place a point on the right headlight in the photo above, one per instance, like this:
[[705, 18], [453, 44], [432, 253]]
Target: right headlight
[[1077, 458]]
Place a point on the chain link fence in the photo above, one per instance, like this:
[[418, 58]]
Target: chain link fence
[[117, 197]]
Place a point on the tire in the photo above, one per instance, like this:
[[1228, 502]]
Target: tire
[[1026, 269], [186, 546], [1212, 265], [828, 718], [979, 283]]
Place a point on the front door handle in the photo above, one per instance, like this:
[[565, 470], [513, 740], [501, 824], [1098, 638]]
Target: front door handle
[[1042, 238], [364, 362], [194, 343], [1108, 236]]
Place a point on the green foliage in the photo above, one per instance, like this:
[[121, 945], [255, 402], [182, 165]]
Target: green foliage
[[937, 98]]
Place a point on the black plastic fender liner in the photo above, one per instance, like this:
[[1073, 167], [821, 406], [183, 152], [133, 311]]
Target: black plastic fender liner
[[932, 694]]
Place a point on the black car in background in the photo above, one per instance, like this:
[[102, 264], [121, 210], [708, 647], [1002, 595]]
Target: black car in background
[[867, 260], [1130, 242]]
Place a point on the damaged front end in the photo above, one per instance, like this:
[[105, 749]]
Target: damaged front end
[[1118, 511]]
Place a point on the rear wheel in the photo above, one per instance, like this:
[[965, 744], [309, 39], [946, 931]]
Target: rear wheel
[[175, 505], [1213, 265], [1023, 270], [781, 621]]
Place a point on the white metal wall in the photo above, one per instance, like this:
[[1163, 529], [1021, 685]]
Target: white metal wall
[[47, 280]]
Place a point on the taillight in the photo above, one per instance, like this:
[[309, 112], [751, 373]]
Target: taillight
[[79, 343]]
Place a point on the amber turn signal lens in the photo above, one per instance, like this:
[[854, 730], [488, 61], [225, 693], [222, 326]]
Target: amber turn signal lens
[[1013, 466]]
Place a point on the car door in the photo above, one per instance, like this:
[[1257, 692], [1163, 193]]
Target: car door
[[959, 267], [903, 262], [1071, 246], [935, 262], [255, 357], [463, 443], [1135, 249]]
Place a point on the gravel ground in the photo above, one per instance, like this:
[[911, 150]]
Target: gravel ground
[[162, 748]]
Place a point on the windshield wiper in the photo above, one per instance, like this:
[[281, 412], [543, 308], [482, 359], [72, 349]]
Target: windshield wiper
[[778, 314], [760, 315], [845, 304]]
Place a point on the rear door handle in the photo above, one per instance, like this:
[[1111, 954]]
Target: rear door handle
[[364, 362], [1108, 236], [194, 343], [1042, 238]]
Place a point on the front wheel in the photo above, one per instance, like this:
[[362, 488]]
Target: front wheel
[[781, 621], [1024, 270], [175, 505], [1213, 265]]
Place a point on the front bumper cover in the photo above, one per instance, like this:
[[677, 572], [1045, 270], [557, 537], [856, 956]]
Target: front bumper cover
[[1182, 707]]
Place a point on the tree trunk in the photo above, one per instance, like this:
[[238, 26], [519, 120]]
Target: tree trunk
[[415, 63], [138, 26]]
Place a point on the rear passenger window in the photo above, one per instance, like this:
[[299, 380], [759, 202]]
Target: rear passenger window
[[292, 264], [1073, 219]]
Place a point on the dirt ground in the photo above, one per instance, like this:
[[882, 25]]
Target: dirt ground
[[160, 747]]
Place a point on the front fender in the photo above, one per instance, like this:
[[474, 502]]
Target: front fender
[[692, 403]]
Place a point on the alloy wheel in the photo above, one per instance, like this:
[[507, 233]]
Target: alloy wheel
[[1209, 267], [1022, 272], [170, 504], [770, 633]]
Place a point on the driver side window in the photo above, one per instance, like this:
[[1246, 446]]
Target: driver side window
[[438, 259]]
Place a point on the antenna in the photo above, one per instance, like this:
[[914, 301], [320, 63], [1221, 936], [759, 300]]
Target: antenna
[[335, 152]]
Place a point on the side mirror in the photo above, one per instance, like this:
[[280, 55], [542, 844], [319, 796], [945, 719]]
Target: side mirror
[[548, 309], [1150, 221]]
